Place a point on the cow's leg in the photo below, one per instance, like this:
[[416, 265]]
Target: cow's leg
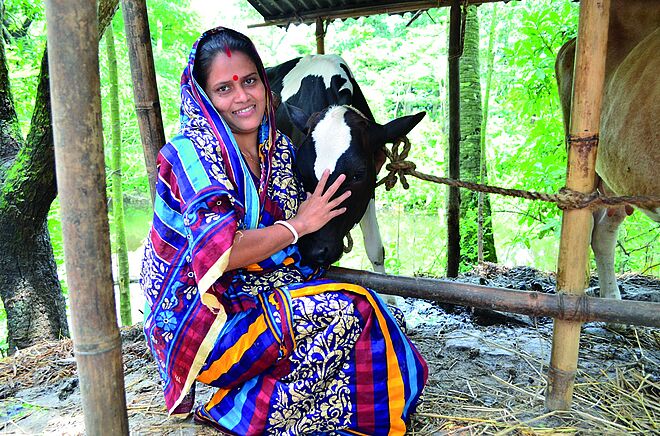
[[373, 243], [603, 243]]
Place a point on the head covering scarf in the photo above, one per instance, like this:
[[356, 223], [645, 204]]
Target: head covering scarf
[[205, 193]]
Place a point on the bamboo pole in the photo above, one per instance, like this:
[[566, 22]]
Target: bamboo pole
[[145, 90], [320, 36], [581, 176], [77, 135], [454, 197], [559, 306]]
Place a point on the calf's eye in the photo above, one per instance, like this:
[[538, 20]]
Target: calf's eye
[[357, 176]]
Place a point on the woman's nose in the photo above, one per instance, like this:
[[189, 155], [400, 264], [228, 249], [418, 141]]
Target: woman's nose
[[241, 94]]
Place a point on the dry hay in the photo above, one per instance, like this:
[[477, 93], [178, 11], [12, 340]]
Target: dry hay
[[42, 364], [608, 399]]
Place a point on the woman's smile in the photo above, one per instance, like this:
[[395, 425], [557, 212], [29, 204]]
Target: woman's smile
[[245, 112]]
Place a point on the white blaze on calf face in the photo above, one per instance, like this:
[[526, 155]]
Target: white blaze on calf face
[[332, 137], [324, 66]]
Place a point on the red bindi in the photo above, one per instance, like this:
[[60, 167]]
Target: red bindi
[[235, 77]]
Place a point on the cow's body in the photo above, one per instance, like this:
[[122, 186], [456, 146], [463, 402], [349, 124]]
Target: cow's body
[[313, 84], [628, 153]]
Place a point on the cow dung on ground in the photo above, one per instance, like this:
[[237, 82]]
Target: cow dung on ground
[[487, 373]]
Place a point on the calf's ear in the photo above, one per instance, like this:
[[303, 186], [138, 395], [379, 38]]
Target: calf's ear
[[399, 127], [297, 116]]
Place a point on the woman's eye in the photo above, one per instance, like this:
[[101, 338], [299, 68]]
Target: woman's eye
[[250, 81], [222, 89]]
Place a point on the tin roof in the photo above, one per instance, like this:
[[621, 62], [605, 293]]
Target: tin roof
[[284, 12]]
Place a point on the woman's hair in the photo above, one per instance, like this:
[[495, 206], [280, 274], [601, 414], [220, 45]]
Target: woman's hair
[[223, 40]]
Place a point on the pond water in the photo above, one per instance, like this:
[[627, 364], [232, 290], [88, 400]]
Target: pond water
[[414, 243]]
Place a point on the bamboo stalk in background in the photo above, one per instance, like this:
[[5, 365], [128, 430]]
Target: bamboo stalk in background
[[117, 192], [145, 90], [77, 134], [454, 197], [320, 36], [572, 266]]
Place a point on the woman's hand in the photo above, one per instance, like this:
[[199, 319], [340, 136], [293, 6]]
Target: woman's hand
[[319, 207], [255, 245]]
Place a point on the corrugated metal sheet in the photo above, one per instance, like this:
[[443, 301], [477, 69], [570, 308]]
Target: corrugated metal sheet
[[282, 12]]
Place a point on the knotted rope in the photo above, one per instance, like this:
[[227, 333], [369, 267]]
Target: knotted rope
[[566, 198]]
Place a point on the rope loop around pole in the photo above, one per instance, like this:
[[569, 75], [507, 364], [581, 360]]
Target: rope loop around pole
[[566, 199]]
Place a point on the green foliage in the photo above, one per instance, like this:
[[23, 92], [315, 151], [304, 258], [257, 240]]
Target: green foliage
[[4, 345], [25, 22], [402, 69], [172, 28], [526, 132], [637, 246]]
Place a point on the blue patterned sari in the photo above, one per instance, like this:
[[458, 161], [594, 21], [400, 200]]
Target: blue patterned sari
[[288, 351]]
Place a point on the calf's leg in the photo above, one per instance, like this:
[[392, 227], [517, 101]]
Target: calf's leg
[[373, 244]]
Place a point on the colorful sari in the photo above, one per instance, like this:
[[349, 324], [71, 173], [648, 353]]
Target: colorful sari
[[289, 352]]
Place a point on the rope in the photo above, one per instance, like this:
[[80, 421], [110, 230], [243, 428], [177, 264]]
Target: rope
[[349, 243], [566, 199]]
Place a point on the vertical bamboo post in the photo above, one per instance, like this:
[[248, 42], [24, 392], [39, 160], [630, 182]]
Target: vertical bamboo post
[[588, 81], [77, 135], [145, 90], [454, 199], [320, 36]]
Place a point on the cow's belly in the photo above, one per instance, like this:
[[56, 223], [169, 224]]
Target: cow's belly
[[629, 154]]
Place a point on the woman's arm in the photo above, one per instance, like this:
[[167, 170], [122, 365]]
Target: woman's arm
[[251, 246]]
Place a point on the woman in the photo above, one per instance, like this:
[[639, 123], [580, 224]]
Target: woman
[[231, 305]]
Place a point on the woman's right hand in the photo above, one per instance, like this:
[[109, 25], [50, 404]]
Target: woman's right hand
[[319, 207]]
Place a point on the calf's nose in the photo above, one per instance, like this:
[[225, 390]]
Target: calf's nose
[[318, 254]]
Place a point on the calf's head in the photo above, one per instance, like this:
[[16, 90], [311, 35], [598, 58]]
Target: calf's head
[[341, 139]]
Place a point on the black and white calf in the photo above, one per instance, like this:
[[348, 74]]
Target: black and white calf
[[341, 139], [326, 115]]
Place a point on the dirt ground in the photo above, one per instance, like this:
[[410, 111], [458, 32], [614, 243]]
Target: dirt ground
[[487, 374]]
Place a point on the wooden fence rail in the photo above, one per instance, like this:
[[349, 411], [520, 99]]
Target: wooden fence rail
[[559, 306]]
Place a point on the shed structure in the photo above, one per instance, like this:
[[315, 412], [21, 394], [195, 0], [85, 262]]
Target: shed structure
[[282, 13], [81, 188]]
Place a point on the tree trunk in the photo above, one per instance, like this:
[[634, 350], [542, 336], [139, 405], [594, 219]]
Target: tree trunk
[[29, 287], [117, 191], [484, 203], [453, 154], [470, 149]]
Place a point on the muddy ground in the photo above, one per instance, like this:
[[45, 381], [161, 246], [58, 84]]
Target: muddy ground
[[487, 374]]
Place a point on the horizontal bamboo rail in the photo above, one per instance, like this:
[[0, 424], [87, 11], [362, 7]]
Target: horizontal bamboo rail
[[558, 306]]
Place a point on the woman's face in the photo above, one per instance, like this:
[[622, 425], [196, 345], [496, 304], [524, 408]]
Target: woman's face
[[236, 91]]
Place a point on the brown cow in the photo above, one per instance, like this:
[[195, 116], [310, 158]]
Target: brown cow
[[628, 160]]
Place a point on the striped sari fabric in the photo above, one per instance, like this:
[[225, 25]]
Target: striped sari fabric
[[289, 352]]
